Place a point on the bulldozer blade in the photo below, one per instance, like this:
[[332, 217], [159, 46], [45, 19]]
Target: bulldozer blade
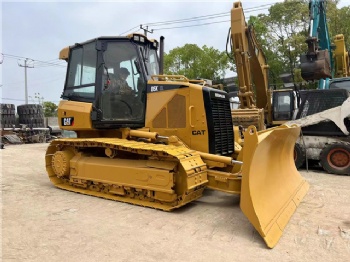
[[272, 187]]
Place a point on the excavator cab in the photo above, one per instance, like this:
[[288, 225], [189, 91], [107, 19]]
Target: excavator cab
[[284, 105], [94, 76]]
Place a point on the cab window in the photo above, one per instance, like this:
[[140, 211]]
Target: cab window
[[82, 72]]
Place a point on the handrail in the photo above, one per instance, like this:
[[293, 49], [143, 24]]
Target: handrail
[[170, 78]]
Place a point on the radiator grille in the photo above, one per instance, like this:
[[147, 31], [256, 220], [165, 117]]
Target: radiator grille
[[222, 125]]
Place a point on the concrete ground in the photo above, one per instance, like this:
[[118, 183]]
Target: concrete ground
[[43, 223]]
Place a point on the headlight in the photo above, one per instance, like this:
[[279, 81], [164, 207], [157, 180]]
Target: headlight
[[136, 38], [142, 39]]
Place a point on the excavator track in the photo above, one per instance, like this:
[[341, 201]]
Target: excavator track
[[154, 175]]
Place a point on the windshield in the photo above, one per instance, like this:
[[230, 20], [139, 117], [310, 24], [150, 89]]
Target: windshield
[[112, 74], [122, 82], [152, 63], [82, 73], [282, 105]]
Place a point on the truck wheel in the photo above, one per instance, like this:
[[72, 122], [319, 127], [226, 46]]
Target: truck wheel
[[299, 155], [335, 158]]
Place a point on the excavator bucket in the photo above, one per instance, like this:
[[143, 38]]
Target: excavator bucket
[[272, 188], [315, 67]]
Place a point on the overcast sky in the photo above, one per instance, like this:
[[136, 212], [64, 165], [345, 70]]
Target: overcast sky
[[39, 30]]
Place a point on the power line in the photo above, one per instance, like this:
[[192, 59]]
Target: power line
[[48, 63], [129, 30], [29, 63], [54, 59], [205, 17], [13, 56], [20, 100], [13, 99], [38, 62], [209, 23], [198, 18], [186, 20], [41, 64], [165, 28], [36, 81]]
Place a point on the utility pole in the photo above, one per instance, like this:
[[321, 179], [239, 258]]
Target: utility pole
[[145, 30], [2, 60], [25, 78]]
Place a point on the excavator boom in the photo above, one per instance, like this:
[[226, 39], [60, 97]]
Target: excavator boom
[[248, 58], [341, 57]]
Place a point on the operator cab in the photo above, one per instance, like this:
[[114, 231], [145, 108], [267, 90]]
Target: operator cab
[[340, 83], [94, 76], [284, 105]]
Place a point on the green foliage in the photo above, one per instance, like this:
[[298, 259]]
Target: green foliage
[[283, 31], [50, 109], [283, 36], [339, 21], [195, 62]]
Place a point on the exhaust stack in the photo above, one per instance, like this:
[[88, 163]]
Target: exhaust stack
[[161, 56]]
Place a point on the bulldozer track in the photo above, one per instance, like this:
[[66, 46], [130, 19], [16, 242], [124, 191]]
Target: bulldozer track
[[187, 164]]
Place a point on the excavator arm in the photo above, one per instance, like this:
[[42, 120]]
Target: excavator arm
[[248, 56], [317, 63], [323, 60], [255, 105], [341, 57]]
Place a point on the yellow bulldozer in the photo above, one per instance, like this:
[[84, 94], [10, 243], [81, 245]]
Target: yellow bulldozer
[[160, 140]]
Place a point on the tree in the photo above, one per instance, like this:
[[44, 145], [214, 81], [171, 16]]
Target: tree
[[339, 21], [283, 31], [195, 62], [50, 109], [268, 45], [284, 36]]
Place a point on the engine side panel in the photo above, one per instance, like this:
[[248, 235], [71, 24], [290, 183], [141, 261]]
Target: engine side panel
[[74, 115]]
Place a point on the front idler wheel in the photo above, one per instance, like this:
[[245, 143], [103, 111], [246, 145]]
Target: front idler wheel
[[61, 162]]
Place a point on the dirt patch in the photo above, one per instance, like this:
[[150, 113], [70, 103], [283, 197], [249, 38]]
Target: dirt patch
[[43, 223]]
